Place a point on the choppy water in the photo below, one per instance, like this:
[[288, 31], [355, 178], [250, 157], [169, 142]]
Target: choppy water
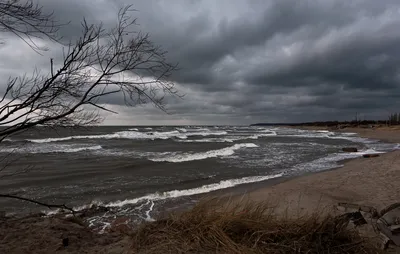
[[141, 171]]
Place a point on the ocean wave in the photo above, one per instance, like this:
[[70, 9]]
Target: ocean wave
[[209, 140], [349, 133], [207, 133], [51, 149], [200, 129], [133, 135], [194, 191], [353, 137], [174, 157], [265, 130], [330, 135], [228, 139], [48, 140], [330, 161], [269, 134], [181, 129], [80, 149]]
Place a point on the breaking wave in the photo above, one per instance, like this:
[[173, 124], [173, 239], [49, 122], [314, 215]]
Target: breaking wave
[[51, 149], [194, 191], [330, 161], [133, 135], [229, 139], [173, 157], [79, 149]]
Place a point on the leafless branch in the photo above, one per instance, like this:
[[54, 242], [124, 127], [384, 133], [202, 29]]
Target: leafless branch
[[27, 21], [50, 206], [101, 63]]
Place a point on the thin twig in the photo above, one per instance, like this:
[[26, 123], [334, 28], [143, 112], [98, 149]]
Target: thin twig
[[50, 206]]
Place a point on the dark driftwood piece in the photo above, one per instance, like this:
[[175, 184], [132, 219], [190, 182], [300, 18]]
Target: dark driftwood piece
[[387, 221]]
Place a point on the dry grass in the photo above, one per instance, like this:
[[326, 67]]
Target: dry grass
[[249, 228]]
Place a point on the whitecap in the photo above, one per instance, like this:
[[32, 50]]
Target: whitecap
[[50, 149], [228, 139], [194, 191], [132, 135], [181, 129], [79, 149], [207, 133], [174, 157], [330, 161]]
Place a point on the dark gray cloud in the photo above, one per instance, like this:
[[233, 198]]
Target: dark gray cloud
[[256, 60]]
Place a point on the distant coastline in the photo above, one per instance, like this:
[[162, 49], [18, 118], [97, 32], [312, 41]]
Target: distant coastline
[[343, 124]]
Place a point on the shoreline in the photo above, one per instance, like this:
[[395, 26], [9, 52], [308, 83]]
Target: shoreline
[[364, 181], [246, 190], [388, 134]]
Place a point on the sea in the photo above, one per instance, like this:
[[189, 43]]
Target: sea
[[141, 172]]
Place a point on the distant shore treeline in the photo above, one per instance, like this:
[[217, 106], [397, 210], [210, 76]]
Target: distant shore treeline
[[393, 120]]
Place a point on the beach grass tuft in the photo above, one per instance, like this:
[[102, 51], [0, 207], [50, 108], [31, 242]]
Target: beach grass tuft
[[211, 227]]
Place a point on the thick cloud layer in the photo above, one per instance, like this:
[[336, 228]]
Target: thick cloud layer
[[257, 60]]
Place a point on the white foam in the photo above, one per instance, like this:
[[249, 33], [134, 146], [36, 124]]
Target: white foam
[[308, 135], [229, 139], [93, 203], [209, 140], [200, 129], [266, 130], [173, 157], [330, 161], [206, 133], [269, 134], [50, 149], [48, 140], [148, 216], [134, 129], [133, 135], [354, 139], [195, 191], [181, 129], [331, 135], [349, 134], [79, 149], [361, 153]]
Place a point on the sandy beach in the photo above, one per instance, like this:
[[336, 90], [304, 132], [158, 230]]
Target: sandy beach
[[366, 181]]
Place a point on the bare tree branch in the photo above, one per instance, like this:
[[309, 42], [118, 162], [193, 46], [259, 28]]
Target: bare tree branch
[[27, 21], [118, 61], [50, 206]]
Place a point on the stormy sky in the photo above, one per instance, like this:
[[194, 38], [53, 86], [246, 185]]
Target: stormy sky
[[248, 61]]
